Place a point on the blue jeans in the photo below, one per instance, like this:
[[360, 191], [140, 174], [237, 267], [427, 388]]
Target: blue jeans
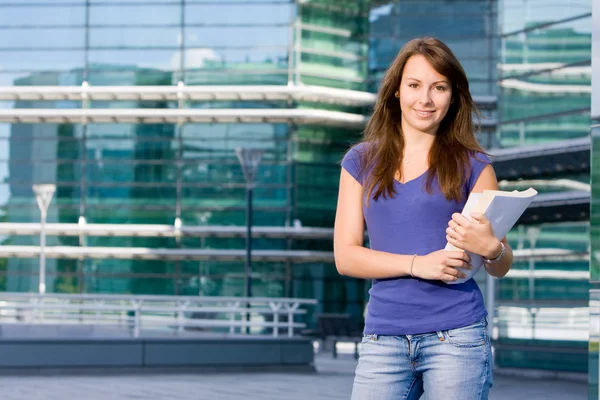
[[444, 365]]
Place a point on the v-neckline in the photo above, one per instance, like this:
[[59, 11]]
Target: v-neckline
[[412, 180]]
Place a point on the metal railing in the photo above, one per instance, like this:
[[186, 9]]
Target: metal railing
[[172, 314], [542, 322]]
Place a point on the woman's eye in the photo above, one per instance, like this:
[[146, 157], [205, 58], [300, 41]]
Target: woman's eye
[[412, 85], [440, 88]]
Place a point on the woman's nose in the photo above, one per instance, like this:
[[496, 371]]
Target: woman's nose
[[425, 97]]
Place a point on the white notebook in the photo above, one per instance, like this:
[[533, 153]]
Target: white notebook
[[503, 209]]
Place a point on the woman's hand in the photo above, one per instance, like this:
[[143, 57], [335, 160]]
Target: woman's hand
[[474, 236], [441, 265]]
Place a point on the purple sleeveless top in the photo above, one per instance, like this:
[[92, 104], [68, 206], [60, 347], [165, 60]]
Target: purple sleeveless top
[[415, 222]]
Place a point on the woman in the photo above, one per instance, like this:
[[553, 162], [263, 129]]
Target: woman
[[408, 180]]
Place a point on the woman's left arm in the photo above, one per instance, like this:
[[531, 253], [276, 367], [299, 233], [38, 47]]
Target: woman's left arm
[[477, 236]]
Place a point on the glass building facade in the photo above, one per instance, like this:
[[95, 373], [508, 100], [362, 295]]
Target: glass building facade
[[545, 71], [528, 60], [155, 173], [392, 24], [594, 370], [545, 94]]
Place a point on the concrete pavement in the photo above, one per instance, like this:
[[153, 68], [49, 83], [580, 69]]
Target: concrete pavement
[[332, 381]]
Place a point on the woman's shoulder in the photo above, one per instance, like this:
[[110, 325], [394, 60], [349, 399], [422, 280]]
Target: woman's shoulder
[[356, 151], [478, 161], [353, 161], [479, 158]]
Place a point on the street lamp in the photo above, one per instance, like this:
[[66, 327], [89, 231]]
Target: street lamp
[[249, 159], [43, 195]]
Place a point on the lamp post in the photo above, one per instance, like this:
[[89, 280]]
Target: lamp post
[[249, 159], [43, 195]]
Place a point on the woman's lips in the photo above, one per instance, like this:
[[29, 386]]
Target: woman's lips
[[424, 113]]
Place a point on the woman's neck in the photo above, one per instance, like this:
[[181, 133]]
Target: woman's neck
[[415, 140]]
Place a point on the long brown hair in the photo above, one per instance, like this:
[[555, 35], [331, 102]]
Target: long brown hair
[[454, 142]]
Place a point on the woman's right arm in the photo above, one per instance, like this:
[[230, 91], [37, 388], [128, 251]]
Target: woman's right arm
[[352, 259]]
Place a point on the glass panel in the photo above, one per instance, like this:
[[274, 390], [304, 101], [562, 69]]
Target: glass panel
[[126, 14], [124, 173], [46, 133], [596, 61], [543, 311], [545, 72], [41, 78], [129, 170], [142, 285], [28, 172], [595, 206], [22, 274], [319, 66], [52, 2], [123, 75], [256, 14], [328, 43], [456, 20], [29, 61], [45, 104], [237, 37], [567, 42], [260, 216], [348, 18], [42, 15], [467, 27], [594, 345], [243, 59], [334, 46], [102, 2], [115, 133], [594, 369], [521, 14], [22, 207], [543, 130], [135, 37], [134, 60], [113, 212], [229, 1], [266, 74], [222, 139], [42, 38]]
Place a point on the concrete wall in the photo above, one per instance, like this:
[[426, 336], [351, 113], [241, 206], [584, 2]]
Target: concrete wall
[[151, 353]]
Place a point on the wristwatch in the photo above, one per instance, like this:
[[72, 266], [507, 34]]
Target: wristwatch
[[498, 258]]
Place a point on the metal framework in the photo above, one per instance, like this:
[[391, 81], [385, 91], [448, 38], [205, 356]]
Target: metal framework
[[558, 207], [172, 314], [143, 253], [308, 93], [294, 256], [539, 183], [149, 230], [546, 207], [547, 160], [182, 116]]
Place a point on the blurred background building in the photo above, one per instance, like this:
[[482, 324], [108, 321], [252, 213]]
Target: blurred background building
[[595, 210], [296, 78]]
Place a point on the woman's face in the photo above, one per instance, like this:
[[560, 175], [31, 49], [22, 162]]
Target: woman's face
[[425, 96]]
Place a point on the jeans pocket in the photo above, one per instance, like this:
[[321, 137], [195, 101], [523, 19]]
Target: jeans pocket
[[368, 337], [474, 335]]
